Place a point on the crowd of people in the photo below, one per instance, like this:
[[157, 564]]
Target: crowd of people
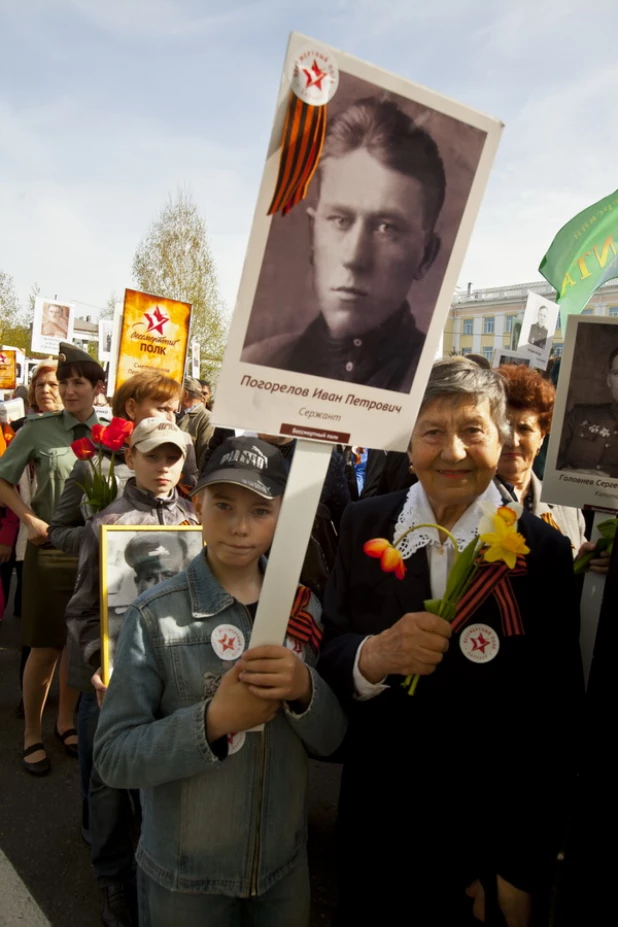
[[453, 799]]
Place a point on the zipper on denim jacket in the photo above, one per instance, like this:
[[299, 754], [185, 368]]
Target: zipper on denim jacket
[[255, 862], [255, 865]]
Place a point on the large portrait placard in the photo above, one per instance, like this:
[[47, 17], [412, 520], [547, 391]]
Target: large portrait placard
[[154, 334], [582, 456], [52, 323], [132, 560], [8, 369], [343, 299]]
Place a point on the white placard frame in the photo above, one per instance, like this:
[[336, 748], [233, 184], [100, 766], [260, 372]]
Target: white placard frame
[[539, 356], [361, 419], [46, 343], [580, 487]]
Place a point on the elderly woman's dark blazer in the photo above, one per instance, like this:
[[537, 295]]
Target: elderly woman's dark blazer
[[470, 774]]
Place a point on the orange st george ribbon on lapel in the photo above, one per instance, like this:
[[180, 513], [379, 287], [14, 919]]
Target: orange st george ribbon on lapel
[[493, 578], [313, 83]]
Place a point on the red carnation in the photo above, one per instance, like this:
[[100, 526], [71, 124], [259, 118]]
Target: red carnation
[[83, 448], [97, 432], [116, 433]]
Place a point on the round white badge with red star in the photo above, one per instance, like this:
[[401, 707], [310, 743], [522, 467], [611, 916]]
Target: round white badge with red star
[[296, 647], [235, 742], [228, 642], [479, 643], [315, 77]]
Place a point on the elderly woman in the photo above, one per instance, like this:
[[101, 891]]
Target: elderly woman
[[530, 404], [452, 796]]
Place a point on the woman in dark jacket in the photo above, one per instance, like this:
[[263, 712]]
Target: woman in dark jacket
[[453, 796]]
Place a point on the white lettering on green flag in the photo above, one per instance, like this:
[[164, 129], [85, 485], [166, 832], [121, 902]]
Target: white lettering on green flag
[[583, 255]]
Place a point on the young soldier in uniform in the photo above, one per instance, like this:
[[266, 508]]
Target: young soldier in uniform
[[381, 189], [589, 441], [224, 831]]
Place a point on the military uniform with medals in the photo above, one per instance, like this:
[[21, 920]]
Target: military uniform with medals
[[590, 440]]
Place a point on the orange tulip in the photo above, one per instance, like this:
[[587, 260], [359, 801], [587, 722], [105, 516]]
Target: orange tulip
[[390, 558]]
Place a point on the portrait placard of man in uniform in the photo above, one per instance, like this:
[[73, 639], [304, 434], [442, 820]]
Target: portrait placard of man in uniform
[[582, 457], [538, 330], [52, 323], [380, 188], [347, 284], [135, 559], [589, 442]]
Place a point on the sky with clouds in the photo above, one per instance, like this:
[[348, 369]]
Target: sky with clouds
[[107, 106]]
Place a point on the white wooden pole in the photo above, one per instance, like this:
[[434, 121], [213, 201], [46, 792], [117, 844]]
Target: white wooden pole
[[300, 502]]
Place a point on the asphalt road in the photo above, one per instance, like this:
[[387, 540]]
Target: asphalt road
[[40, 818]]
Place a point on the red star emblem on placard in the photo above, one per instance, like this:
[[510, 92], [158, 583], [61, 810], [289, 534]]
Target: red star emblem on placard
[[156, 320], [227, 643], [3, 359], [314, 75], [479, 643]]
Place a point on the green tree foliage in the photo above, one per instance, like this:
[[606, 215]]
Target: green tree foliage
[[110, 305], [174, 260], [9, 308]]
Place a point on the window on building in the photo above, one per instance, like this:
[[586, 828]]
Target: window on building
[[508, 328], [488, 354], [556, 350], [587, 311], [465, 351], [467, 326], [613, 310], [488, 325]]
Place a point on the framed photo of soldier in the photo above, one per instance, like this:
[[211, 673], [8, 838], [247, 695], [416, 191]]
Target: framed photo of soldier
[[344, 296], [52, 323], [582, 456], [133, 559], [537, 330]]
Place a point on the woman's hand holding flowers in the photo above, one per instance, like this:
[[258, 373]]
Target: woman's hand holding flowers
[[415, 645]]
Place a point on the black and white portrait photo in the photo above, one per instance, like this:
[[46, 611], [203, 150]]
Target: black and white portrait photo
[[349, 263], [584, 440], [344, 297], [52, 323], [132, 561], [537, 329], [502, 356]]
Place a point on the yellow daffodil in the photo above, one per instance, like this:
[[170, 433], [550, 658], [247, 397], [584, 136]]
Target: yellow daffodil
[[503, 541]]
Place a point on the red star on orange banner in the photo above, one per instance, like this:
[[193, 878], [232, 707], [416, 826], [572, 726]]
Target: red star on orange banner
[[314, 75], [156, 321], [479, 643]]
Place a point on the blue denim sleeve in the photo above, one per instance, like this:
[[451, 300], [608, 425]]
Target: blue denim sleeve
[[136, 748]]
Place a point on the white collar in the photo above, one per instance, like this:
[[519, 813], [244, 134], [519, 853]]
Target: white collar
[[417, 511]]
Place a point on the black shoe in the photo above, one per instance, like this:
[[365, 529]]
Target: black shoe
[[40, 767], [119, 905], [70, 749]]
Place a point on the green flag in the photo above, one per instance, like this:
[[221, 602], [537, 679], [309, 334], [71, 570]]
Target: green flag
[[583, 255]]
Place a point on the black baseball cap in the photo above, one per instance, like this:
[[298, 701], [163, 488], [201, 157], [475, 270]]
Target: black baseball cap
[[247, 462]]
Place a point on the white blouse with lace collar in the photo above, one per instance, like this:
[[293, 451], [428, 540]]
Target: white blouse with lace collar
[[417, 511]]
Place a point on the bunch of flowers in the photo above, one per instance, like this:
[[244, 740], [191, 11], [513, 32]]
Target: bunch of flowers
[[497, 541], [103, 489]]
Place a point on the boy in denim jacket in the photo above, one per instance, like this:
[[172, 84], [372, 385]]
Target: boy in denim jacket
[[224, 822]]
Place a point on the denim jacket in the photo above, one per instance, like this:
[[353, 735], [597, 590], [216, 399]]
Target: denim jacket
[[214, 821]]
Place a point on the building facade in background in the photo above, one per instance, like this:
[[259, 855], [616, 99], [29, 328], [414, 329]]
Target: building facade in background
[[481, 320]]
